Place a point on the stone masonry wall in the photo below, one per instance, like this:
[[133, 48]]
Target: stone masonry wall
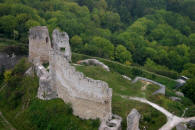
[[90, 98], [39, 43]]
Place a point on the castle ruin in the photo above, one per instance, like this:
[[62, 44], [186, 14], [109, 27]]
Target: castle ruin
[[90, 99], [39, 44]]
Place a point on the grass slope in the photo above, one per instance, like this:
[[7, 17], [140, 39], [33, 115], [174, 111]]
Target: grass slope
[[130, 71]]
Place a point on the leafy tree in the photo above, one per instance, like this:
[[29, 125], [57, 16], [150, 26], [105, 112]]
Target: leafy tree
[[31, 23], [189, 70], [8, 24], [189, 89], [101, 47], [192, 40], [122, 55], [76, 43]]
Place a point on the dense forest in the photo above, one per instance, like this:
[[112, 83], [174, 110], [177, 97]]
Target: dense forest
[[157, 35]]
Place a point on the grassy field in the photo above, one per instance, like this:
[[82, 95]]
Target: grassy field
[[130, 71]]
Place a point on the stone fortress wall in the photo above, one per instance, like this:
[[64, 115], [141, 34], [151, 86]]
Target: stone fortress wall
[[39, 43], [90, 99]]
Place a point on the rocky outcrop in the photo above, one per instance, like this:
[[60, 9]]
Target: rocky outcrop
[[94, 62], [45, 90], [127, 78], [39, 44], [181, 126], [191, 124], [175, 98], [8, 61], [133, 120], [159, 91], [180, 94], [111, 124]]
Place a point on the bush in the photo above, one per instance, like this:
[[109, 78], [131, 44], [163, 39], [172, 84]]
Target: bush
[[189, 89]]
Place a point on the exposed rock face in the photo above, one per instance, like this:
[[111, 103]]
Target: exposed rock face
[[133, 120], [125, 77], [181, 126], [45, 90], [179, 94], [159, 91], [8, 61], [94, 62], [39, 44], [191, 124], [175, 98], [30, 71], [111, 124]]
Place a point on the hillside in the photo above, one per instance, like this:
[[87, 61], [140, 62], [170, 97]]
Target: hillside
[[23, 103], [151, 39]]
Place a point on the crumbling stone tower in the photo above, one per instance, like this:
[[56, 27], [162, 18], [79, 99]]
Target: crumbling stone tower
[[39, 44]]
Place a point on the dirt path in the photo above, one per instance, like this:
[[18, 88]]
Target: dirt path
[[6, 123], [144, 87], [172, 120]]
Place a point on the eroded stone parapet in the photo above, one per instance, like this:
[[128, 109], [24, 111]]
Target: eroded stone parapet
[[39, 43], [114, 123], [61, 43], [133, 120], [94, 62]]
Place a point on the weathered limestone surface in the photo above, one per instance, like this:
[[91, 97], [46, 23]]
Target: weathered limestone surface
[[94, 62], [179, 94], [133, 120], [181, 126], [90, 98], [175, 98], [126, 77], [45, 90], [192, 124], [39, 43], [61, 43]]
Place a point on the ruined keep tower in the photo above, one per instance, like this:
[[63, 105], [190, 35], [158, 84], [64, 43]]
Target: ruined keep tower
[[39, 44]]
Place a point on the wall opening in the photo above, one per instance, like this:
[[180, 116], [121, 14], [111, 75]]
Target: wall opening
[[62, 49], [47, 39]]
